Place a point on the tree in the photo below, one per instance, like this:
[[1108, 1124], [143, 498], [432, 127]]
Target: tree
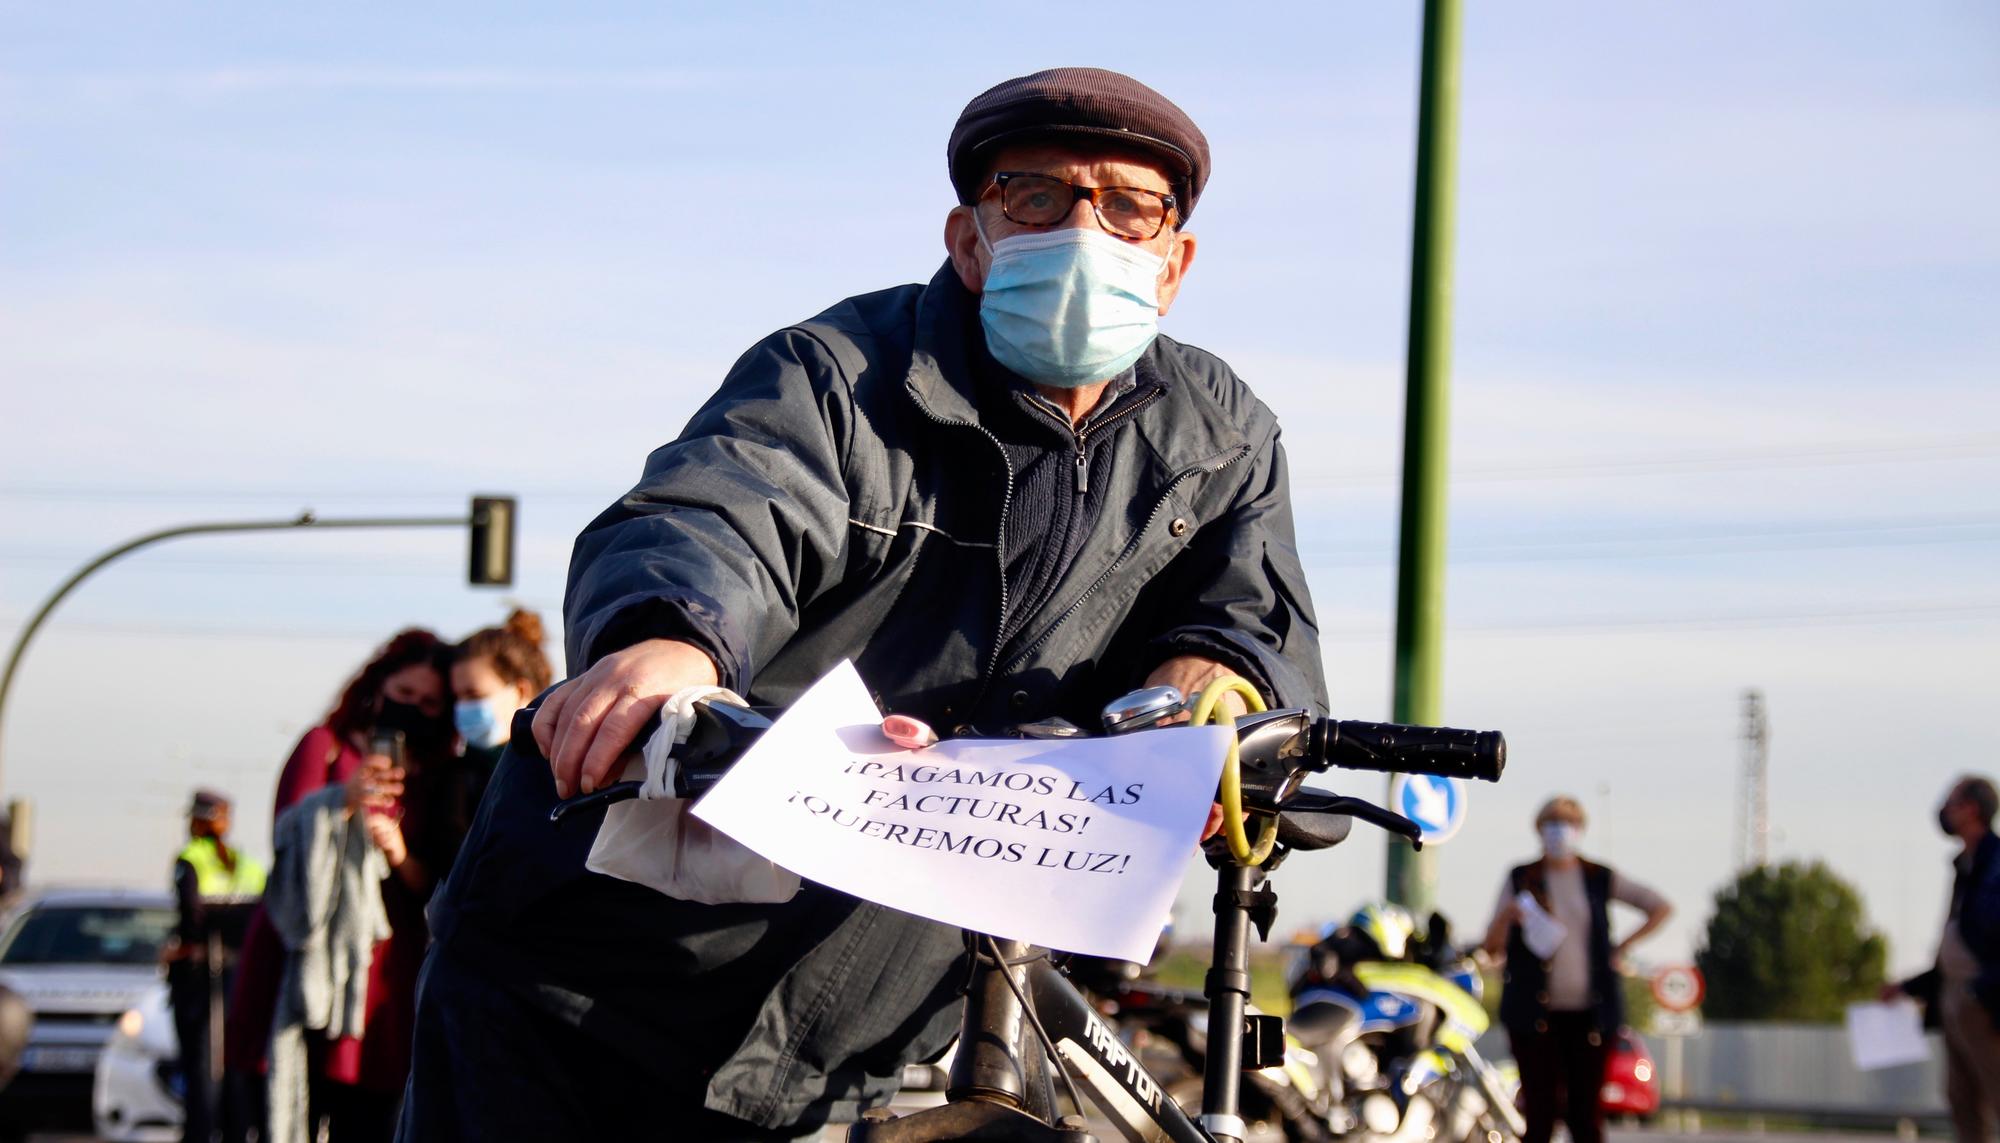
[[1789, 943]]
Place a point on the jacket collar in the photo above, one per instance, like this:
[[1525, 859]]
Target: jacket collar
[[942, 383], [940, 379]]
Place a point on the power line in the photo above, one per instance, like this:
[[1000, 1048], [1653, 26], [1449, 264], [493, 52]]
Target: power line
[[1578, 545], [315, 496], [1821, 454], [1760, 537], [1864, 615], [1825, 454], [1867, 615]]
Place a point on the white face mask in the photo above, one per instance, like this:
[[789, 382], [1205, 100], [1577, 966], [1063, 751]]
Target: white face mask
[[1559, 839], [487, 722], [1069, 307]]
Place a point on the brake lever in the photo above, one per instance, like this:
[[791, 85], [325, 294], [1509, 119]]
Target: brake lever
[[1310, 800], [582, 803]]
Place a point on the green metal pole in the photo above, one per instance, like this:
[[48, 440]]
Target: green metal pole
[[302, 520], [1412, 877]]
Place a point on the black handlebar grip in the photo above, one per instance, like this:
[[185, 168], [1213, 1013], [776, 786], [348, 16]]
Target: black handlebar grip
[[1393, 748]]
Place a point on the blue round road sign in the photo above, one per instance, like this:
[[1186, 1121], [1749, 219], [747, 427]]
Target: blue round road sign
[[1436, 804]]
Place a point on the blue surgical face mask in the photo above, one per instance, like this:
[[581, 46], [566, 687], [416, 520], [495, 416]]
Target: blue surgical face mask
[[1070, 307], [1559, 839], [484, 722]]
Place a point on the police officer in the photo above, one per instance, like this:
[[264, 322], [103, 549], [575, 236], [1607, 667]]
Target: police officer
[[214, 886]]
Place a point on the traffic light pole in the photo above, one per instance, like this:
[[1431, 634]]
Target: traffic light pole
[[484, 565], [1412, 876]]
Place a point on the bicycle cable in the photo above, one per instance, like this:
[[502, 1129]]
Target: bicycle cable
[[1028, 1009], [1231, 786]]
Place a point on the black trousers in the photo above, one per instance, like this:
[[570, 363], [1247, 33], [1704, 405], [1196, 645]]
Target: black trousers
[[350, 1114], [188, 991], [1561, 1058], [488, 1065]]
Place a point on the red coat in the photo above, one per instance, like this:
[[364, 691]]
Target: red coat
[[380, 1059]]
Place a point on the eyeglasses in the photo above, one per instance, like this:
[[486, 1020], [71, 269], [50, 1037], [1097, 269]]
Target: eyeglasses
[[1044, 200]]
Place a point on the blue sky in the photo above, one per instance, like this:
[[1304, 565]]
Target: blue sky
[[1725, 411]]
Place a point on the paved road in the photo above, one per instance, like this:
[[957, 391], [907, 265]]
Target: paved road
[[1615, 1135], [1648, 1135]]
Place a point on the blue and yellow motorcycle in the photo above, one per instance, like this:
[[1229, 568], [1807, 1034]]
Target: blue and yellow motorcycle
[[1392, 1018]]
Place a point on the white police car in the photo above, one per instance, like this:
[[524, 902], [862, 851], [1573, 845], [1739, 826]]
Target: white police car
[[81, 959], [138, 1097]]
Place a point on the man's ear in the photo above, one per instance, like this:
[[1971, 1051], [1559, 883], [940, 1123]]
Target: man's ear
[[961, 242], [1180, 256]]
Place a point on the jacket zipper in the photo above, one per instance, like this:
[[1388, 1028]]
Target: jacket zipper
[[1000, 540], [1131, 546], [1083, 436]]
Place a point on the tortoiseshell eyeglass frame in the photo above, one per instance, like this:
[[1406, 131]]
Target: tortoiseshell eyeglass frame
[[1169, 202]]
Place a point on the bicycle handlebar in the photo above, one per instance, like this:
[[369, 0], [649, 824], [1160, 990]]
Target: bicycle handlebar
[[1277, 747], [1394, 748]]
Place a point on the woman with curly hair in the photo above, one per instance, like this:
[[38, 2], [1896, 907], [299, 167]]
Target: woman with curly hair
[[495, 672], [352, 1081]]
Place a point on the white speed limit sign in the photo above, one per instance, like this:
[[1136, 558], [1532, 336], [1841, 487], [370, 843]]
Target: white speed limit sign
[[1679, 988]]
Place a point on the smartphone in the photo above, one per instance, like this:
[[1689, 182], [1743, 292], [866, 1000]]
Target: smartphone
[[389, 744]]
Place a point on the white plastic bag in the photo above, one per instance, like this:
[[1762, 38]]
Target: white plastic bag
[[654, 841]]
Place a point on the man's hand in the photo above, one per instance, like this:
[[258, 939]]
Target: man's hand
[[585, 725], [1190, 673]]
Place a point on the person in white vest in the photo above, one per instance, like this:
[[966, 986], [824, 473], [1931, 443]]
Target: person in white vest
[[1561, 998]]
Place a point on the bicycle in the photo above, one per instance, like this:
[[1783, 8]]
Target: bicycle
[[1025, 1026]]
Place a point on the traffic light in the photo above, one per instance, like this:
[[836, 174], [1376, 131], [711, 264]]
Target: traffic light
[[492, 541]]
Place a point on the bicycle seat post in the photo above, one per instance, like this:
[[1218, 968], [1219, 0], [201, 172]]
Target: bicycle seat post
[[1228, 991]]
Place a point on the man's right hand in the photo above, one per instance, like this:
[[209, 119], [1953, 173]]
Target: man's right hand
[[586, 724]]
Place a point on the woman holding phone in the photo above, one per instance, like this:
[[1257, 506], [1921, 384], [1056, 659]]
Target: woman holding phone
[[387, 739]]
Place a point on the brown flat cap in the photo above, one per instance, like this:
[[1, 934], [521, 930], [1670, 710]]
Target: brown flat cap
[[1078, 101]]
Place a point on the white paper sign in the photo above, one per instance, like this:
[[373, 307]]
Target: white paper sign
[[1886, 1035], [1542, 933], [1074, 844]]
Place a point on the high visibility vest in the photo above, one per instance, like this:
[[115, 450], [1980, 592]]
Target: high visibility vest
[[214, 881]]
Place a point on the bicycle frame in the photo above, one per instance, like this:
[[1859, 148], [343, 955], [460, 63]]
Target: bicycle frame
[[1021, 1015], [997, 1091]]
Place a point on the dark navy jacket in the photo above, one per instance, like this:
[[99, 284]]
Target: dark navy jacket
[[1524, 997], [1975, 905], [839, 497]]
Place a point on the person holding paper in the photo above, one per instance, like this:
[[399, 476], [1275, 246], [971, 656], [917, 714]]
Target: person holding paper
[[1003, 494], [1560, 999], [1961, 992]]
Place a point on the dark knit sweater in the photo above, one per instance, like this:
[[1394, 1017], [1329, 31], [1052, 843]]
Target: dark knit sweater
[[1060, 473]]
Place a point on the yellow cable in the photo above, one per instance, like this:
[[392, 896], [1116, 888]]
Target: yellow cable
[[1232, 772]]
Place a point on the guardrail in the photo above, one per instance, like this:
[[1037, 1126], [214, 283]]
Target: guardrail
[[1685, 1116]]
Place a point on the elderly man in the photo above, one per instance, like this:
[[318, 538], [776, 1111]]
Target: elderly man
[[1004, 496], [1961, 992]]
